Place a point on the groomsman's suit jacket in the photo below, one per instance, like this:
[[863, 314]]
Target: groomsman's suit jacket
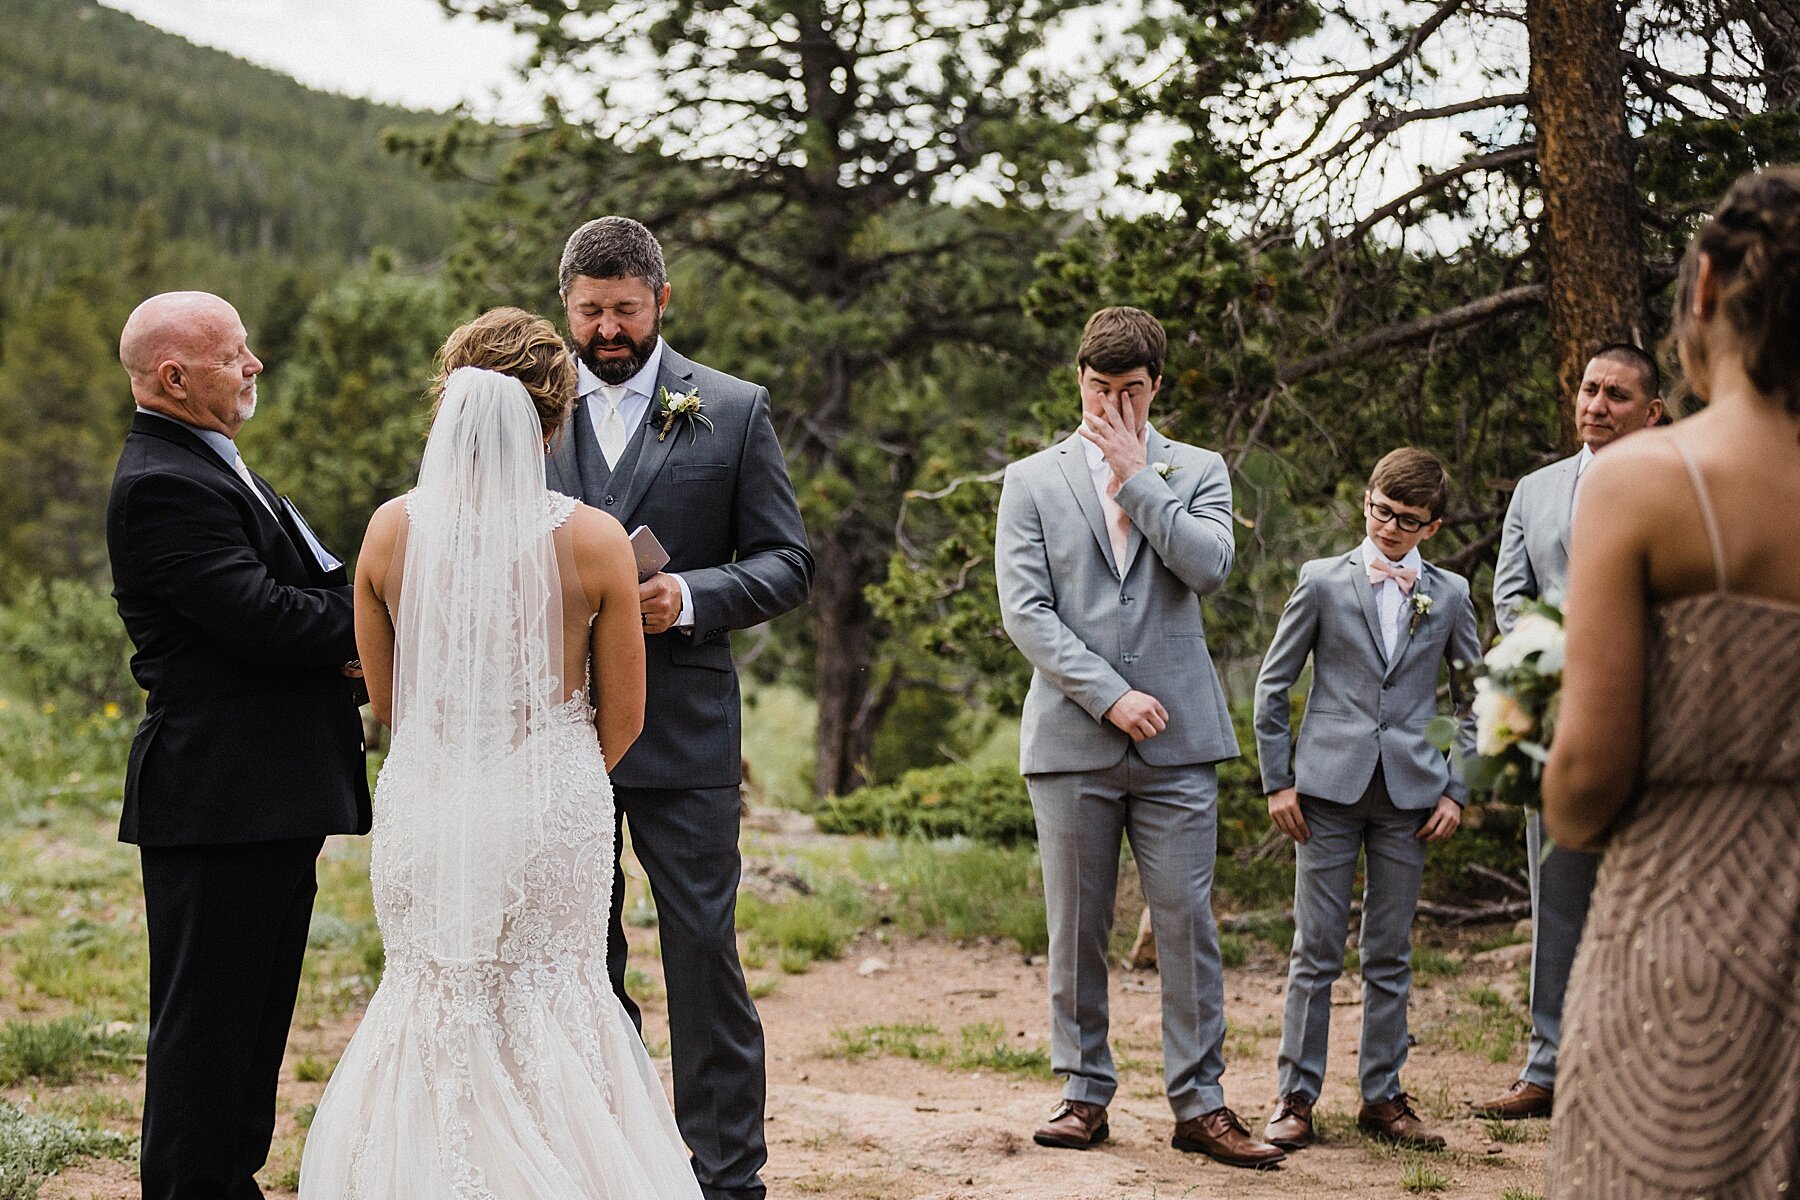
[[1534, 540], [720, 502], [1363, 710], [250, 733], [1092, 633]]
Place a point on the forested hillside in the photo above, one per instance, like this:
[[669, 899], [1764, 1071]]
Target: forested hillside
[[137, 162]]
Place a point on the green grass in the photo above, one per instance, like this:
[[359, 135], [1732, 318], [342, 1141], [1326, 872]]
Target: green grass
[[60, 1051], [34, 1146], [311, 1069], [1234, 949], [643, 986], [802, 929], [1504, 1131], [1519, 1193], [1486, 1024], [1429, 963], [1420, 1177], [984, 1046], [778, 744], [958, 888]]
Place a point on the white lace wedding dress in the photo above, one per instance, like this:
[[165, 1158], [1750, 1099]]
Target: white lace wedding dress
[[494, 1061]]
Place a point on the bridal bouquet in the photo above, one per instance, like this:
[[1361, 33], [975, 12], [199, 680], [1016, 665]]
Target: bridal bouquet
[[1518, 693]]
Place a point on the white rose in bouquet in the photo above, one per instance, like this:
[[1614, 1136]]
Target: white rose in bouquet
[[1533, 634], [1499, 719]]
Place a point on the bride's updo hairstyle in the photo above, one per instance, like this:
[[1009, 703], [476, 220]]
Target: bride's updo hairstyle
[[1753, 242], [516, 343]]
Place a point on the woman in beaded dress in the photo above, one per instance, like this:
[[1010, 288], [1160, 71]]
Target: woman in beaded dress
[[1678, 752]]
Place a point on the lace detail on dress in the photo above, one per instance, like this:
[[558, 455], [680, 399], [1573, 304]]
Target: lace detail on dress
[[515, 1074]]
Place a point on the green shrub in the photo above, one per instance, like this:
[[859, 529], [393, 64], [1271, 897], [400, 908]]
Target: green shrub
[[63, 1050], [988, 805], [66, 647], [33, 1147]]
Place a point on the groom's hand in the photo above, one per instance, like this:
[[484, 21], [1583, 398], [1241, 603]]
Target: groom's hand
[[659, 599], [1139, 714], [1119, 443], [1284, 810]]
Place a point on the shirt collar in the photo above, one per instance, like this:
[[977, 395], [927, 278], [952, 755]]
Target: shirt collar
[[1371, 552], [642, 384], [1583, 459], [215, 441], [1094, 455]]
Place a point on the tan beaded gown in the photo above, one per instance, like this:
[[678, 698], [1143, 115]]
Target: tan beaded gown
[[1680, 1066]]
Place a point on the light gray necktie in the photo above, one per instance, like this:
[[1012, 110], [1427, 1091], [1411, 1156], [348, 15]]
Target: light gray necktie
[[243, 473], [611, 426]]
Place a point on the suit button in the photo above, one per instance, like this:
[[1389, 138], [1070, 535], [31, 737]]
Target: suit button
[[1130, 658], [609, 501], [1382, 728], [1124, 599]]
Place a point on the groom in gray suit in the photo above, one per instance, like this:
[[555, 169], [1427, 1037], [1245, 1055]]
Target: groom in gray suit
[[1621, 392], [1380, 625], [710, 483], [1106, 542]]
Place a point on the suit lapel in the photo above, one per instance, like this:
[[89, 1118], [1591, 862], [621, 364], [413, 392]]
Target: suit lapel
[[1073, 460], [1357, 575], [562, 464], [1565, 498], [675, 374]]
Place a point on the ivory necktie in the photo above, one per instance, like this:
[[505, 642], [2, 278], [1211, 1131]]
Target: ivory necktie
[[1118, 525], [243, 473], [612, 425]]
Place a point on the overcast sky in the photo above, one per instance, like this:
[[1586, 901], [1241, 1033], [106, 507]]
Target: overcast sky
[[399, 51]]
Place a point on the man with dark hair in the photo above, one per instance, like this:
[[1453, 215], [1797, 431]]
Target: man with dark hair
[[1619, 395], [1106, 542], [658, 440]]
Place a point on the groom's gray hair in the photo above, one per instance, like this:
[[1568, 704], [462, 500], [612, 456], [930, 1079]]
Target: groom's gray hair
[[612, 248]]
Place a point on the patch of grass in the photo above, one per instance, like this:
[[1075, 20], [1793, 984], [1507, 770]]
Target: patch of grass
[[767, 986], [34, 1147], [641, 913], [1234, 949], [778, 744], [99, 964], [1504, 1131], [1429, 963], [303, 1116], [1519, 1193], [959, 888], [1511, 937], [311, 1069], [1486, 1024], [60, 1051], [979, 1047], [802, 929], [1420, 1177], [1273, 928], [1242, 883], [642, 985]]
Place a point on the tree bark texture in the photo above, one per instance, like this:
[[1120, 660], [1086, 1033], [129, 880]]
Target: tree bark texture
[[1590, 231], [842, 661], [1775, 24]]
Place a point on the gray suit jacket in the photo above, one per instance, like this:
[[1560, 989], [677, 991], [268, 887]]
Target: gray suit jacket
[[1364, 710], [1091, 635], [721, 504], [1534, 541]]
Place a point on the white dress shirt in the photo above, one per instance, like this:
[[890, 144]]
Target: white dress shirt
[[1390, 601], [1583, 461], [634, 410], [1102, 475]]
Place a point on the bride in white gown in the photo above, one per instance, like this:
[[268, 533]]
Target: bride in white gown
[[494, 1062]]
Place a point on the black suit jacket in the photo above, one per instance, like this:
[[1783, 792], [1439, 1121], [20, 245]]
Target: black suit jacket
[[250, 733], [720, 502]]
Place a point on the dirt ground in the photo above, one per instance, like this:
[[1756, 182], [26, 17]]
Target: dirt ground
[[892, 1128]]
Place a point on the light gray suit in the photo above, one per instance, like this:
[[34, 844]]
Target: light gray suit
[[1091, 633], [1534, 564], [1368, 780]]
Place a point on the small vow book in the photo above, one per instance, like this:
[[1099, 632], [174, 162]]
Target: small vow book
[[651, 557]]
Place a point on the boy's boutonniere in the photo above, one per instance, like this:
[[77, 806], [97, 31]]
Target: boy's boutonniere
[[686, 404], [1163, 469], [1421, 608]]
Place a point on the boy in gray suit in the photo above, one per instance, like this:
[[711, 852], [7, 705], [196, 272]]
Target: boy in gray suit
[[1379, 623], [1106, 542]]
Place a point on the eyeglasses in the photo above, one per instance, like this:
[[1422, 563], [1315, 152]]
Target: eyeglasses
[[1405, 522]]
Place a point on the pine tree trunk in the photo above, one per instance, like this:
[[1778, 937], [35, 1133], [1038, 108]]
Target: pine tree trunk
[[846, 642], [1590, 233]]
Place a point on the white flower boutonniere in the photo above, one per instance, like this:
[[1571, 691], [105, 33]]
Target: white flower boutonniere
[[686, 404], [1163, 469], [1421, 608]]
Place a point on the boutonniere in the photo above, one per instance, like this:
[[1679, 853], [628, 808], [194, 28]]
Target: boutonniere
[[1163, 469], [685, 404], [1421, 608]]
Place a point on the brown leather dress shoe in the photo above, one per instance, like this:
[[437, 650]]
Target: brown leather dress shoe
[[1395, 1121], [1291, 1127], [1220, 1135], [1516, 1102], [1075, 1125]]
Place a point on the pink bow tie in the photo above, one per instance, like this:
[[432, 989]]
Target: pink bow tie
[[1381, 568]]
